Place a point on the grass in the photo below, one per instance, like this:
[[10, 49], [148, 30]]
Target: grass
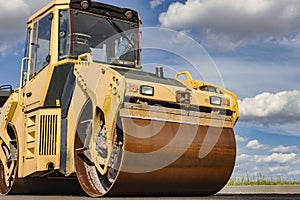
[[260, 179]]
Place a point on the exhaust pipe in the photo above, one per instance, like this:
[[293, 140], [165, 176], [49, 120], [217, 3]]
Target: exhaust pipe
[[159, 71]]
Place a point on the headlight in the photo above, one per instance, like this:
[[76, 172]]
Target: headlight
[[147, 90], [85, 4], [215, 100]]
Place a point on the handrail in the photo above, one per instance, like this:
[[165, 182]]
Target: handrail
[[188, 75], [85, 57], [22, 74]]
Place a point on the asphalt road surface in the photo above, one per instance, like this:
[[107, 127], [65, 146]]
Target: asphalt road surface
[[216, 197], [277, 192]]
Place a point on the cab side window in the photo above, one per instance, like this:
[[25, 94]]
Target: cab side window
[[40, 45]]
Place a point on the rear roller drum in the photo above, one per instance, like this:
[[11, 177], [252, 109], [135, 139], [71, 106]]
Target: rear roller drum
[[8, 169], [96, 177]]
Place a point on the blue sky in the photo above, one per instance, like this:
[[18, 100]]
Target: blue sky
[[250, 47]]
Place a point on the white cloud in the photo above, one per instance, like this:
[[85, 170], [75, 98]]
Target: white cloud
[[13, 19], [240, 138], [155, 3], [271, 165], [278, 169], [279, 158], [255, 145], [294, 173], [243, 157], [267, 108], [285, 149], [10, 15], [235, 23]]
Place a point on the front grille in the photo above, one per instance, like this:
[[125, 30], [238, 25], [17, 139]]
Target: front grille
[[48, 134]]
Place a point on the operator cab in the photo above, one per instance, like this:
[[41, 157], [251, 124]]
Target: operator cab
[[62, 33], [110, 34], [66, 29]]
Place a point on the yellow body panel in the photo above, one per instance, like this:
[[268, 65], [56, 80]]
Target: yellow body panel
[[42, 141], [202, 98], [93, 79], [6, 115]]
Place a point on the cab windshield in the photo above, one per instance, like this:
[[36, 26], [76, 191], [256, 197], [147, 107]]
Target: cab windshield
[[108, 40]]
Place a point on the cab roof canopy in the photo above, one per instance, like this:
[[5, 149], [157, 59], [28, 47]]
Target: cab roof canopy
[[47, 7], [94, 7]]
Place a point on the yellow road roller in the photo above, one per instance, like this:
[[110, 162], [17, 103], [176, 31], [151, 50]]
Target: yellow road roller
[[87, 115]]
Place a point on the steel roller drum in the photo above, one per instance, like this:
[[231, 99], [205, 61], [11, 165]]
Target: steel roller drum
[[179, 159]]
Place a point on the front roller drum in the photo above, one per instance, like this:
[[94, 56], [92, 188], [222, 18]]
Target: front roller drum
[[179, 159], [155, 158]]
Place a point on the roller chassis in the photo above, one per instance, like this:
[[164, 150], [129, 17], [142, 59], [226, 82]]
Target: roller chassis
[[99, 147], [114, 128]]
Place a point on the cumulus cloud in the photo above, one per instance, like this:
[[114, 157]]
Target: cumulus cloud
[[155, 3], [268, 160], [255, 145], [240, 138], [10, 15], [284, 165], [294, 173], [279, 158], [285, 149], [279, 169], [267, 108], [235, 23], [13, 18]]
